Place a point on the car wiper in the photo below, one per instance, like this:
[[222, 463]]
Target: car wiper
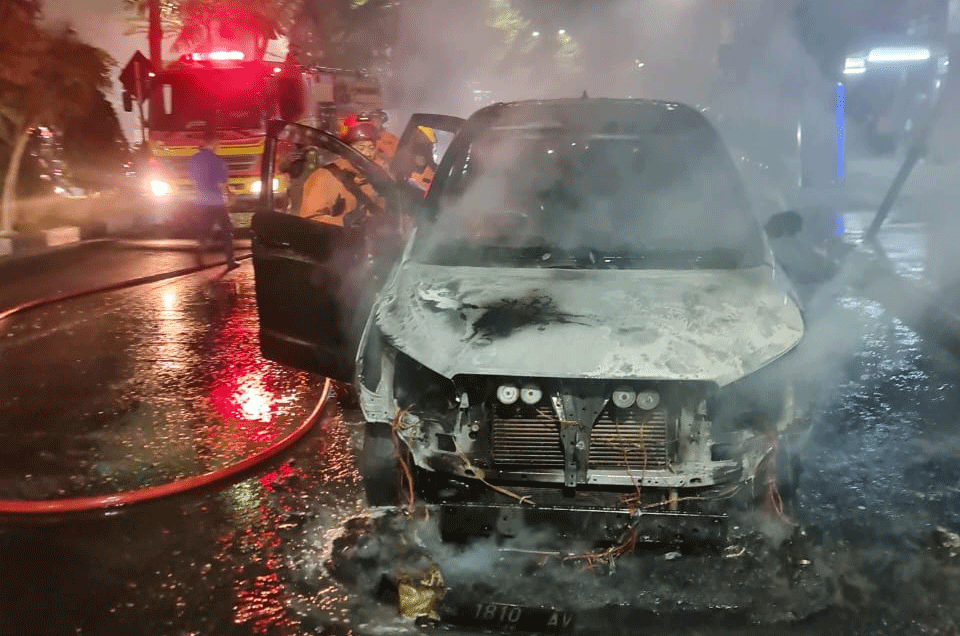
[[717, 258], [568, 259]]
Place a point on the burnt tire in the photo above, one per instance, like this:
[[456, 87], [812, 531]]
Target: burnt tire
[[380, 466], [788, 476]]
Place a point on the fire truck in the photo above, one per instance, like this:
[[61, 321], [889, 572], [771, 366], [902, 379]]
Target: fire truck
[[223, 92]]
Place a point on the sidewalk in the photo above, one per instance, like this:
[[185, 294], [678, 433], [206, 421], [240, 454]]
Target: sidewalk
[[55, 231]]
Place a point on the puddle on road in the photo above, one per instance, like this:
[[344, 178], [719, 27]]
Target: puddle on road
[[140, 388]]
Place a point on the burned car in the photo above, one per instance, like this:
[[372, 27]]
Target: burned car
[[585, 329]]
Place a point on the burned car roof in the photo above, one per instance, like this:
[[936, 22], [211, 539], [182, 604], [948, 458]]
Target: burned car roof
[[612, 115]]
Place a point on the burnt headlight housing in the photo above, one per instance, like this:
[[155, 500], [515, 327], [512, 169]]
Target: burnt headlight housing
[[508, 393], [418, 386], [531, 394], [648, 400], [623, 397], [754, 402]]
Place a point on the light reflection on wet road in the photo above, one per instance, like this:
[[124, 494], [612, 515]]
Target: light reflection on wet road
[[139, 387], [148, 384]]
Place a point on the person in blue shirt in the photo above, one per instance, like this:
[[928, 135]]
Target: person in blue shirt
[[209, 174]]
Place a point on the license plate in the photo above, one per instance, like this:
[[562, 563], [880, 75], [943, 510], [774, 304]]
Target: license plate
[[513, 618]]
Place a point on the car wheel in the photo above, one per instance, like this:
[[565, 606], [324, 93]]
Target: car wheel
[[380, 466]]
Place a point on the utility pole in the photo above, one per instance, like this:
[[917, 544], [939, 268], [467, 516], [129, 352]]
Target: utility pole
[[155, 34], [140, 96]]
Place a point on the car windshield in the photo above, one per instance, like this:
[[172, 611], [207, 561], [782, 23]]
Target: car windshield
[[618, 196]]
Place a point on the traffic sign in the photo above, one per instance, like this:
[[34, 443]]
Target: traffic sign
[[136, 75]]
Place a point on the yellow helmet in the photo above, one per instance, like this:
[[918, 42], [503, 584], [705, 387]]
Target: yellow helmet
[[428, 133]]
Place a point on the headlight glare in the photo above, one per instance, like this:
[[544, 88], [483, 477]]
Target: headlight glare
[[854, 65], [160, 188]]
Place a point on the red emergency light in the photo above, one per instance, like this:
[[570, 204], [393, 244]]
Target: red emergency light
[[218, 56]]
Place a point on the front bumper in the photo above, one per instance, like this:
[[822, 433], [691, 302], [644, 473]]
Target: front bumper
[[602, 525]]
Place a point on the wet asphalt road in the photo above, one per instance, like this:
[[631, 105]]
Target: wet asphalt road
[[145, 385]]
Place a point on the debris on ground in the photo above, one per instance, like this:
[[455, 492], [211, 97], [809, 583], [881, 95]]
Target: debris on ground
[[398, 559], [945, 544], [420, 586]]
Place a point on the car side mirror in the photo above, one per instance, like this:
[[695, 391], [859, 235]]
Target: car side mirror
[[784, 225]]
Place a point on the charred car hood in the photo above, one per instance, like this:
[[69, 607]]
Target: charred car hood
[[605, 324]]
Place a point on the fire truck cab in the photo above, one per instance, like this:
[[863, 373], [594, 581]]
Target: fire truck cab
[[224, 92]]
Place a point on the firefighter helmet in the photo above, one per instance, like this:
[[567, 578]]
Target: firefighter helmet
[[347, 123], [428, 134], [359, 132]]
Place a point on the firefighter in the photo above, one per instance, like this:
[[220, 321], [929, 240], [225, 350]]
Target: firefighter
[[387, 142], [418, 166], [299, 165], [339, 195]]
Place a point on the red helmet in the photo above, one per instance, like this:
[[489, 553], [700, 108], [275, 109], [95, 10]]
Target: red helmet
[[359, 132], [348, 122]]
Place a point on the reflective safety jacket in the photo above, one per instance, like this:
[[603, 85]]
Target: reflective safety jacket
[[339, 195], [422, 179]]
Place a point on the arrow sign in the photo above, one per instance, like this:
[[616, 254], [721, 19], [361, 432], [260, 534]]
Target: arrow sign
[[135, 76]]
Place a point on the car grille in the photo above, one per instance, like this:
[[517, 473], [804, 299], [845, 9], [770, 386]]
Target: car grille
[[631, 439], [533, 442], [240, 163]]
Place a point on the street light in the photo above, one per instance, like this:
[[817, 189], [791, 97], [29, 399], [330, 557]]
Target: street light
[[535, 34], [562, 32]]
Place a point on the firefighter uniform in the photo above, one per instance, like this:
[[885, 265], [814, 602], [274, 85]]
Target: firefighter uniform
[[423, 178], [416, 161], [337, 194], [299, 166]]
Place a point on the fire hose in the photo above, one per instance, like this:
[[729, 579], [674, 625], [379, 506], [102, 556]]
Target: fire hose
[[90, 503]]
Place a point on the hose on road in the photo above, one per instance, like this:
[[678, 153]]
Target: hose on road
[[124, 284], [72, 505], [114, 500]]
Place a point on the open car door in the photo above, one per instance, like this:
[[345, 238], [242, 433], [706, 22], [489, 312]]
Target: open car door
[[315, 281]]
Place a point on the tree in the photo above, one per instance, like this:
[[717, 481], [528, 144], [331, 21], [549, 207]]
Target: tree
[[65, 79], [19, 48], [139, 24], [207, 24], [348, 33], [93, 143]]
